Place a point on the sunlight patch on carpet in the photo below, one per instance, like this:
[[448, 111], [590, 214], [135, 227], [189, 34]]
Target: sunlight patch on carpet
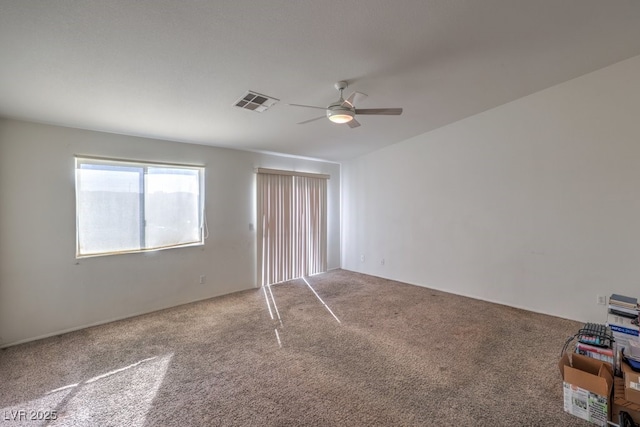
[[275, 306], [266, 298], [278, 337], [270, 298], [115, 371], [122, 396], [321, 300], [32, 412]]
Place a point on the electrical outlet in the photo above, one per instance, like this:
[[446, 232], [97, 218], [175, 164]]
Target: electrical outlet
[[203, 279], [602, 300], [361, 258]]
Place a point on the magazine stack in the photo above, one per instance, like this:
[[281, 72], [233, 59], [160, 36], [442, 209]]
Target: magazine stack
[[622, 318]]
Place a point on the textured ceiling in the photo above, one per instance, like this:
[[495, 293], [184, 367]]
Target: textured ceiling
[[172, 69]]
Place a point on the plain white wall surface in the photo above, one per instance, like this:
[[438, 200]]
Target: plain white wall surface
[[533, 204], [45, 290]]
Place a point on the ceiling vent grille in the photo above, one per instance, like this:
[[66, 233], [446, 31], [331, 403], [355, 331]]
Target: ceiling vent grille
[[255, 102]]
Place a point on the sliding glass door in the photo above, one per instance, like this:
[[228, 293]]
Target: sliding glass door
[[292, 225]]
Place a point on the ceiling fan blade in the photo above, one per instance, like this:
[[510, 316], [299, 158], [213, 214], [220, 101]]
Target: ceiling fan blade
[[353, 123], [308, 106], [354, 98], [380, 111], [312, 120]]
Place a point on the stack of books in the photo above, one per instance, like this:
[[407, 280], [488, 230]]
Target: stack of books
[[622, 318], [595, 340], [600, 353]]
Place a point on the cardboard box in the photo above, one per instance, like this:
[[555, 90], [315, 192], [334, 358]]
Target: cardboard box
[[587, 385], [631, 384], [622, 404]]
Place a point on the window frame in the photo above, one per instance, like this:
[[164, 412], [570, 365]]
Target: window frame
[[144, 165]]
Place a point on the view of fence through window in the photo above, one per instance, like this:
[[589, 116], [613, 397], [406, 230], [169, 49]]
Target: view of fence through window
[[127, 206]]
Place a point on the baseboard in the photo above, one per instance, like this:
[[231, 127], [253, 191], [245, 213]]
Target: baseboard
[[115, 319], [448, 291]]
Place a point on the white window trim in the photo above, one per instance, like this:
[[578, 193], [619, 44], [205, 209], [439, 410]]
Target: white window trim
[[204, 232]]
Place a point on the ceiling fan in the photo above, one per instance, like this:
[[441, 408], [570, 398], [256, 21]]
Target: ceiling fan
[[344, 110]]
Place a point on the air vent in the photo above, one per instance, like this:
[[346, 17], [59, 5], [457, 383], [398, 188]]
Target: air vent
[[255, 102]]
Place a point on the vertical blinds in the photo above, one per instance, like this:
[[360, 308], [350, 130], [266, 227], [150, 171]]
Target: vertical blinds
[[292, 220]]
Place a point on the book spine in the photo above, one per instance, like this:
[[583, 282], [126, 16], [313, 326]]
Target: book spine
[[622, 305], [632, 312], [615, 319], [627, 330], [602, 350], [594, 355], [622, 299]]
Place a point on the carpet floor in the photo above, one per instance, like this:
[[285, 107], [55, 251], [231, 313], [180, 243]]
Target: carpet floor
[[337, 349]]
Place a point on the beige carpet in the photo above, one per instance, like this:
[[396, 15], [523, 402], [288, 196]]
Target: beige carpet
[[348, 350]]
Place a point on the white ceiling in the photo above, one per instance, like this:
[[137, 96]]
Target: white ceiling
[[171, 69]]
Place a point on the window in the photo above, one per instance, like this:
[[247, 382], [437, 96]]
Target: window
[[124, 206]]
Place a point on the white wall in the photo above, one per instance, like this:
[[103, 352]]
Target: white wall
[[44, 290], [534, 204]]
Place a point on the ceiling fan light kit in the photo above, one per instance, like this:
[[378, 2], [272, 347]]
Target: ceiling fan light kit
[[340, 115], [344, 111]]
